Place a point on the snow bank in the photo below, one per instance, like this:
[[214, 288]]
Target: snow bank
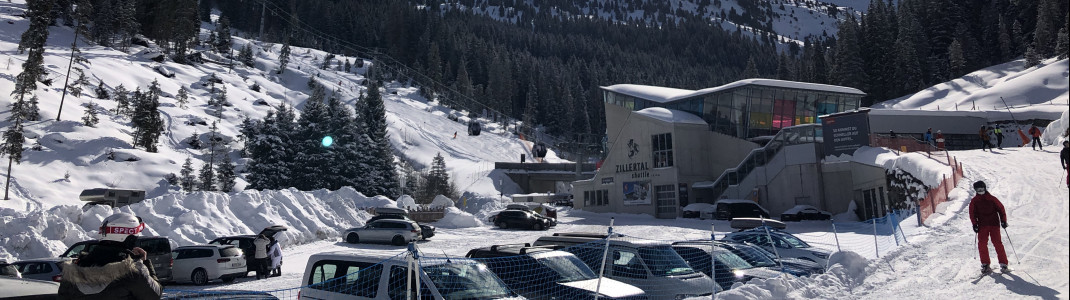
[[847, 270], [457, 218], [192, 218], [1056, 131], [929, 170], [406, 202], [442, 201]]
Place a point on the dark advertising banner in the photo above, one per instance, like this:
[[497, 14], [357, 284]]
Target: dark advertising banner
[[844, 134]]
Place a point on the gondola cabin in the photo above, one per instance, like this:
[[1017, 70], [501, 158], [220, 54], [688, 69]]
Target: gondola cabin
[[474, 128]]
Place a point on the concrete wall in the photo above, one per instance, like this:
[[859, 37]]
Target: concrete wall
[[845, 181]]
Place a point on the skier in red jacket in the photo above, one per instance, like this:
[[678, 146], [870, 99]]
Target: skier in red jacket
[[987, 215]]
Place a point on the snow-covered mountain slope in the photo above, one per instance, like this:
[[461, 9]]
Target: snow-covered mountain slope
[[1040, 92], [73, 157]]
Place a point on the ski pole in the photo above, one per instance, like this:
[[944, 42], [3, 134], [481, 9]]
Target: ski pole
[[1012, 246]]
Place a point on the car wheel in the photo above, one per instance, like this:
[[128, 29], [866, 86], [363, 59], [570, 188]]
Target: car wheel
[[228, 279], [352, 238], [503, 225], [199, 277], [537, 226], [398, 241]]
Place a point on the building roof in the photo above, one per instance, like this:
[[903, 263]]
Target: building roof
[[671, 115], [665, 95]]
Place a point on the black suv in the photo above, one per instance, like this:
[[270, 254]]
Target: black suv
[[515, 218], [245, 243], [426, 231], [158, 248], [541, 273]]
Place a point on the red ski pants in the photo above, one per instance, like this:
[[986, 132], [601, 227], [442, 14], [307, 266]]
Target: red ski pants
[[982, 244]]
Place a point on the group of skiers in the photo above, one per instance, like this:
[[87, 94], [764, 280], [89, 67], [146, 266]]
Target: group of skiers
[[986, 133], [936, 141]]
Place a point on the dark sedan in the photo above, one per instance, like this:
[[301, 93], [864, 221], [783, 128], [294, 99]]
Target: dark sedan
[[512, 218], [804, 212]]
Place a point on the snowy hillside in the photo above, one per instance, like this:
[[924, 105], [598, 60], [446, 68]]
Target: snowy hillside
[[72, 157], [1040, 92]]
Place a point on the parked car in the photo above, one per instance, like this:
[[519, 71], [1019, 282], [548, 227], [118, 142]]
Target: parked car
[[727, 267], [515, 218], [426, 231], [650, 265], [698, 211], [245, 243], [217, 295], [27, 289], [371, 275], [805, 212], [204, 263], [782, 243], [540, 273], [47, 269], [727, 209], [758, 256], [396, 232], [9, 270], [158, 248]]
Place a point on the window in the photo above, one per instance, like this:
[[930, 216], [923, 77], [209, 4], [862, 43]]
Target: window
[[347, 277], [397, 284], [229, 252], [596, 198], [662, 145], [627, 264]]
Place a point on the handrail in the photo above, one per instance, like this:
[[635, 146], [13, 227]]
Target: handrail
[[784, 137]]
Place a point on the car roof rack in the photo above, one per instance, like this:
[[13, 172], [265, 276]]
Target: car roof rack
[[517, 245], [585, 234]]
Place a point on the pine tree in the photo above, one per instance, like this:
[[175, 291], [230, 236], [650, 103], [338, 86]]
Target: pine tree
[[271, 150], [182, 97], [187, 179], [1047, 22], [225, 174], [1032, 59], [122, 100], [194, 141], [327, 61], [348, 66], [956, 59], [284, 57], [246, 55], [751, 71], [223, 40], [33, 112], [206, 178], [90, 118], [311, 163], [382, 172], [12, 146], [127, 23], [146, 120], [102, 93], [1063, 46], [79, 84], [1006, 45], [220, 100], [438, 180], [849, 69]]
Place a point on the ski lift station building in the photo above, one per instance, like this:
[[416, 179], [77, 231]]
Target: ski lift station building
[[757, 139]]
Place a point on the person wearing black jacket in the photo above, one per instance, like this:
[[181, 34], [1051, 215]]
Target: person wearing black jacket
[[114, 269]]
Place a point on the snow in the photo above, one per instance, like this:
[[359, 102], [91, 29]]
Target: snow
[[672, 116], [666, 95], [406, 202], [442, 201], [1040, 92], [456, 218], [929, 170]]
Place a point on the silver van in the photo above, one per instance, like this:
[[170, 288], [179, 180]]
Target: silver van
[[378, 275], [650, 265]]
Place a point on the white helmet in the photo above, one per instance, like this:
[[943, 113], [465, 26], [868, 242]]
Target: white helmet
[[119, 226]]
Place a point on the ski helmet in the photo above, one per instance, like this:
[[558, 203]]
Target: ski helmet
[[979, 184], [119, 226]]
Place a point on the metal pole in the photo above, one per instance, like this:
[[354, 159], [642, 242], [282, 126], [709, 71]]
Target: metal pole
[[836, 235], [605, 252], [65, 81], [875, 247], [713, 260], [1012, 245], [771, 244]]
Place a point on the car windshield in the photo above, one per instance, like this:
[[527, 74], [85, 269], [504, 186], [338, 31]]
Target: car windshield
[[458, 281], [793, 241], [754, 255], [663, 261], [568, 267], [78, 248], [731, 260]]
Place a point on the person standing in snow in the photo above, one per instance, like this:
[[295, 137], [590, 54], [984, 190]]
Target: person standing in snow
[[987, 215], [928, 137], [260, 256], [999, 137], [940, 141], [1064, 159], [114, 269], [1035, 132], [984, 138]]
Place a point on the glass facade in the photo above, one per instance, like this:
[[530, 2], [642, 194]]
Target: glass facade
[[752, 110]]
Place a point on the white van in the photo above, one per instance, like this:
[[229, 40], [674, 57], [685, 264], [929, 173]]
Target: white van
[[364, 275], [650, 265]]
